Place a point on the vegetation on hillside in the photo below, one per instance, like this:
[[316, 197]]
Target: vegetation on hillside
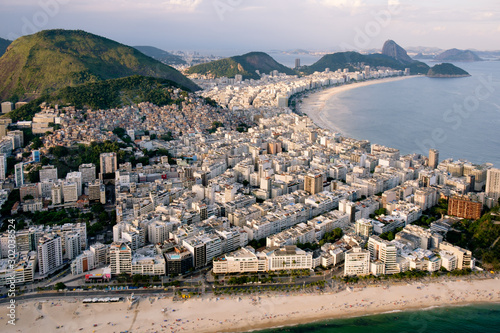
[[69, 159], [446, 70], [104, 95], [246, 65], [356, 61], [160, 55], [481, 236], [52, 59]]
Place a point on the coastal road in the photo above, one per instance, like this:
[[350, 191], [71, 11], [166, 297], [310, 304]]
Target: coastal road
[[90, 294]]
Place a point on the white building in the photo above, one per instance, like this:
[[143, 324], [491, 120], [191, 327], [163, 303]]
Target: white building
[[72, 245], [19, 174], [75, 177], [384, 251], [3, 166], [289, 257], [357, 262], [70, 191], [50, 256], [108, 162], [493, 184], [120, 258], [83, 263], [48, 173], [88, 172]]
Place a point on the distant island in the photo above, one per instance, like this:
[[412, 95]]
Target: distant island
[[446, 70], [457, 55]]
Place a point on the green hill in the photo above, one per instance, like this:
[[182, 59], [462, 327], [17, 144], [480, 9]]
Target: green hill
[[160, 55], [52, 59], [245, 64], [4, 43], [446, 70], [357, 61], [106, 94]]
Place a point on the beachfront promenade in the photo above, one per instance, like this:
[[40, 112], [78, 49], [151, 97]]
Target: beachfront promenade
[[156, 311]]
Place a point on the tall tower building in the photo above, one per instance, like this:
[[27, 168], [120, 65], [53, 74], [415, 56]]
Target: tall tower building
[[108, 163], [72, 245], [88, 172], [297, 63], [19, 174], [120, 258], [313, 183], [493, 183], [48, 172], [433, 158], [384, 251], [50, 256], [3, 166]]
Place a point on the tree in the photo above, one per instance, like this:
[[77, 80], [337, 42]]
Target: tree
[[36, 143], [59, 286]]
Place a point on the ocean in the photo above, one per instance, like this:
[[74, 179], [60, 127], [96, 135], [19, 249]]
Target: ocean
[[460, 117], [482, 318]]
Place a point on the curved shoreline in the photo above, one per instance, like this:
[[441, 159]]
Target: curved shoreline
[[314, 104]]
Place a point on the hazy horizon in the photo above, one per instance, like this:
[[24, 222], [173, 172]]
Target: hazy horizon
[[243, 25]]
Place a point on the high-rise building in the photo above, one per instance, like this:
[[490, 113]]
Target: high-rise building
[[367, 72], [120, 258], [70, 191], [57, 193], [35, 154], [88, 172], [75, 177], [82, 263], [96, 191], [493, 183], [158, 231], [50, 256], [3, 166], [364, 227], [384, 251], [72, 245], [7, 107], [48, 172], [313, 183], [178, 262], [433, 158], [297, 63], [100, 252], [3, 130], [357, 262], [17, 138], [19, 174], [108, 162], [464, 207]]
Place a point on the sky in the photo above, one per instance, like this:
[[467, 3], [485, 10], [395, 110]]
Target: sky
[[224, 26]]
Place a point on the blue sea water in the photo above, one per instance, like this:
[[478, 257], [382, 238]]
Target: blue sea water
[[482, 318], [460, 117]]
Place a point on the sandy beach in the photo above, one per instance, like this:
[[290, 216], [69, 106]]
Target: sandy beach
[[244, 313], [314, 104]]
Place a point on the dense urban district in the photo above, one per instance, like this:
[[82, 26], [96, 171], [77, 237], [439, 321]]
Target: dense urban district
[[231, 183]]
